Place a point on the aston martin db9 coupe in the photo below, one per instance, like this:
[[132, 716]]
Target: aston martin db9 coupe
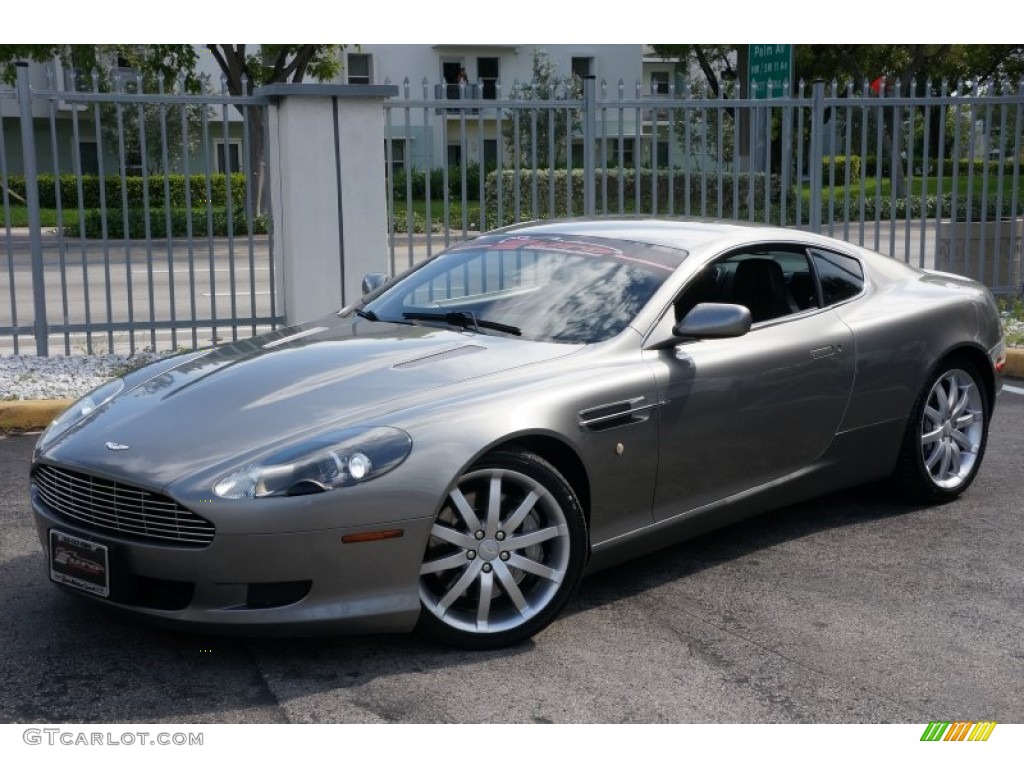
[[457, 449]]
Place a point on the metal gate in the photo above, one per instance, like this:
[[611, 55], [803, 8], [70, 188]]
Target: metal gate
[[136, 219], [931, 180]]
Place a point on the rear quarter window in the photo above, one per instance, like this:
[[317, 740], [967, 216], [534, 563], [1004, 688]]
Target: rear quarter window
[[841, 277]]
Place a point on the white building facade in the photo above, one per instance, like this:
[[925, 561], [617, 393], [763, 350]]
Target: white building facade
[[478, 73]]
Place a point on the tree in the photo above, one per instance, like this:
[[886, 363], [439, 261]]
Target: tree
[[130, 69], [704, 71], [548, 130], [172, 61], [714, 62], [915, 70], [912, 64], [146, 131], [245, 68]]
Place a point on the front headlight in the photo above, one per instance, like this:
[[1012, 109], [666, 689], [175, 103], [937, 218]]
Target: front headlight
[[79, 410], [334, 460]]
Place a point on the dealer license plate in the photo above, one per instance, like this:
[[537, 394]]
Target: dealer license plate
[[79, 563]]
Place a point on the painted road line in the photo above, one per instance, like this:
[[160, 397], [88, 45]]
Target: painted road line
[[241, 295], [198, 270], [1015, 390]]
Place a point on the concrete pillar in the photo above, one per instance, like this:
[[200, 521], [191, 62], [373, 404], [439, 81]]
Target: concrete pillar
[[327, 196]]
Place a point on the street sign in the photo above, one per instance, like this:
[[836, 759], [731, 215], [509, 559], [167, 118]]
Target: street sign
[[769, 68]]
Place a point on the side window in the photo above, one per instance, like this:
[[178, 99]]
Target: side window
[[770, 282], [841, 277]]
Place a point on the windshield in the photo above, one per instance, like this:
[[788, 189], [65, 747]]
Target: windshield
[[563, 288]]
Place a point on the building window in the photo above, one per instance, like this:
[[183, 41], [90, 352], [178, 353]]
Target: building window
[[661, 154], [454, 155], [394, 154], [487, 74], [359, 69], [612, 152], [230, 152], [454, 75], [88, 158], [659, 83], [490, 153], [583, 66], [77, 79]]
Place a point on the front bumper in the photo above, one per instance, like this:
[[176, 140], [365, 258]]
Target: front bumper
[[298, 583]]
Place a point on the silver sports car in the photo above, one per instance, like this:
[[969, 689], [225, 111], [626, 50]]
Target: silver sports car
[[455, 451]]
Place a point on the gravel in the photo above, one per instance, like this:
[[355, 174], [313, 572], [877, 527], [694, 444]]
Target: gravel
[[25, 377]]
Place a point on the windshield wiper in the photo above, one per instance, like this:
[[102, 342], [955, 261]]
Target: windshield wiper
[[368, 314], [464, 319]]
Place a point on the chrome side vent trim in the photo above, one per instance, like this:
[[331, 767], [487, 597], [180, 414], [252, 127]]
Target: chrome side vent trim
[[618, 414]]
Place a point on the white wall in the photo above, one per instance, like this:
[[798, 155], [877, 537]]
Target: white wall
[[516, 61]]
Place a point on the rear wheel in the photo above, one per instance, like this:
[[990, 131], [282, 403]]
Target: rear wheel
[[946, 435], [505, 553]]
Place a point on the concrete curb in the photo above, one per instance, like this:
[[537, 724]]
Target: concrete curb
[[1014, 363], [36, 414], [30, 414]]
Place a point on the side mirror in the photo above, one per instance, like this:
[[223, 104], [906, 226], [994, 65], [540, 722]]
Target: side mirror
[[709, 321], [714, 321], [372, 281]]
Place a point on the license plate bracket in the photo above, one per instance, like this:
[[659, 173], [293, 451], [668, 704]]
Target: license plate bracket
[[79, 563]]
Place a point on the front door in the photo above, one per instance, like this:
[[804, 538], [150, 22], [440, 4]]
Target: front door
[[738, 413]]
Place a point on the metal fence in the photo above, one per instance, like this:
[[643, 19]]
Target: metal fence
[[134, 219], [933, 180]]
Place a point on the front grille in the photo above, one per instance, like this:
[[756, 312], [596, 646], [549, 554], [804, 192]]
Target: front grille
[[110, 507]]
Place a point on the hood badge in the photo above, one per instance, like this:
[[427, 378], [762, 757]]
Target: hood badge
[[117, 447]]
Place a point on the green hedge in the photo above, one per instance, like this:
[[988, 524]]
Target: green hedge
[[870, 166], [991, 167], [135, 187], [931, 207], [842, 164], [694, 189], [115, 220], [418, 179]]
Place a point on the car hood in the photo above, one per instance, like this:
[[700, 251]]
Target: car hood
[[237, 401]]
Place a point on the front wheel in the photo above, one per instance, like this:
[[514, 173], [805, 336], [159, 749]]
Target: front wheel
[[946, 435], [505, 554]]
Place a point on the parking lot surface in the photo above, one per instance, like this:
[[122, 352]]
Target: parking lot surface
[[852, 608]]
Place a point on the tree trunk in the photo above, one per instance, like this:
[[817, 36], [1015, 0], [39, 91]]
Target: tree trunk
[[257, 179]]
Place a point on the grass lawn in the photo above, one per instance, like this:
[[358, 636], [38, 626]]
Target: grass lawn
[[47, 217], [883, 187]]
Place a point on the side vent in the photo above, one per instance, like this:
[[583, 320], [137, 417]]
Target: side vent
[[618, 414]]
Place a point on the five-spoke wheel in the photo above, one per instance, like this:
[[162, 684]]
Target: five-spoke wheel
[[504, 555]]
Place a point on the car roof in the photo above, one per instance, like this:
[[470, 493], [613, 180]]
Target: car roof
[[685, 233]]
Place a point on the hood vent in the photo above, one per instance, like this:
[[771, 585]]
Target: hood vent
[[437, 357]]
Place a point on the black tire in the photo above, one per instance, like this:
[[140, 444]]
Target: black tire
[[946, 434], [506, 553]]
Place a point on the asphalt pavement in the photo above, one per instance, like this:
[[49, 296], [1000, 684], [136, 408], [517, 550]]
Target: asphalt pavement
[[852, 608]]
